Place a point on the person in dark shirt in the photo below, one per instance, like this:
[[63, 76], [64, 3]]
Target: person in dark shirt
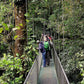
[[43, 51]]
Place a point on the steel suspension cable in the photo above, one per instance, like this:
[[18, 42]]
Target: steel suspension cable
[[50, 28], [27, 18], [48, 19], [27, 30], [33, 28], [74, 38], [59, 31], [27, 1], [63, 22], [13, 36], [63, 28], [44, 22], [44, 25]]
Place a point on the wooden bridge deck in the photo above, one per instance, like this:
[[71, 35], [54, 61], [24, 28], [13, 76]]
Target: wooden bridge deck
[[48, 74]]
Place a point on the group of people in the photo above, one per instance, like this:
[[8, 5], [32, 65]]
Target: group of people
[[45, 48]]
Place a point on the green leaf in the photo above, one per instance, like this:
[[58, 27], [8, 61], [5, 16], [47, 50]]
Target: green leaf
[[10, 4], [46, 0], [18, 27], [21, 24], [27, 21], [17, 54], [7, 28], [16, 36], [27, 14], [1, 29], [5, 25]]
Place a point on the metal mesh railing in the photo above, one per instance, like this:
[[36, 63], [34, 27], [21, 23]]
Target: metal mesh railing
[[62, 78], [32, 77]]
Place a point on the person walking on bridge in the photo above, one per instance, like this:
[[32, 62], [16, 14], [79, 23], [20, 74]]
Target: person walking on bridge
[[51, 44], [47, 46], [43, 51]]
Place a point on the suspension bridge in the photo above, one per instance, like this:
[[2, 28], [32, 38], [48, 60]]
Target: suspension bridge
[[52, 74]]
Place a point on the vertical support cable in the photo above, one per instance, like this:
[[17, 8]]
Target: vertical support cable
[[59, 31], [44, 21], [49, 16], [27, 18], [74, 37], [27, 1], [63, 26], [36, 34], [44, 25], [13, 35], [63, 22], [33, 28], [75, 64], [33, 35]]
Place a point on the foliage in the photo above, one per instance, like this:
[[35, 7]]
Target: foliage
[[6, 20], [67, 19], [13, 69]]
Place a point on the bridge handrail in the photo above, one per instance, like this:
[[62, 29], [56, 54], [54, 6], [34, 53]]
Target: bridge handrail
[[61, 75], [32, 77]]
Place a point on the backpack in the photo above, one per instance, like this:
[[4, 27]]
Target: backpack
[[40, 47], [46, 45]]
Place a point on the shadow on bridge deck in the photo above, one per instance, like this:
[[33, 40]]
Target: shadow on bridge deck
[[48, 74]]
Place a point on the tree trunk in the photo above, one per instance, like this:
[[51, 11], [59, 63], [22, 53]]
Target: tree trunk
[[20, 21]]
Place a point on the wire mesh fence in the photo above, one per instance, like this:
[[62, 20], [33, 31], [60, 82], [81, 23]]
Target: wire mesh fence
[[32, 77], [62, 78]]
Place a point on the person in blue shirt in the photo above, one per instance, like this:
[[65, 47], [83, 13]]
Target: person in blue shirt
[[43, 51]]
